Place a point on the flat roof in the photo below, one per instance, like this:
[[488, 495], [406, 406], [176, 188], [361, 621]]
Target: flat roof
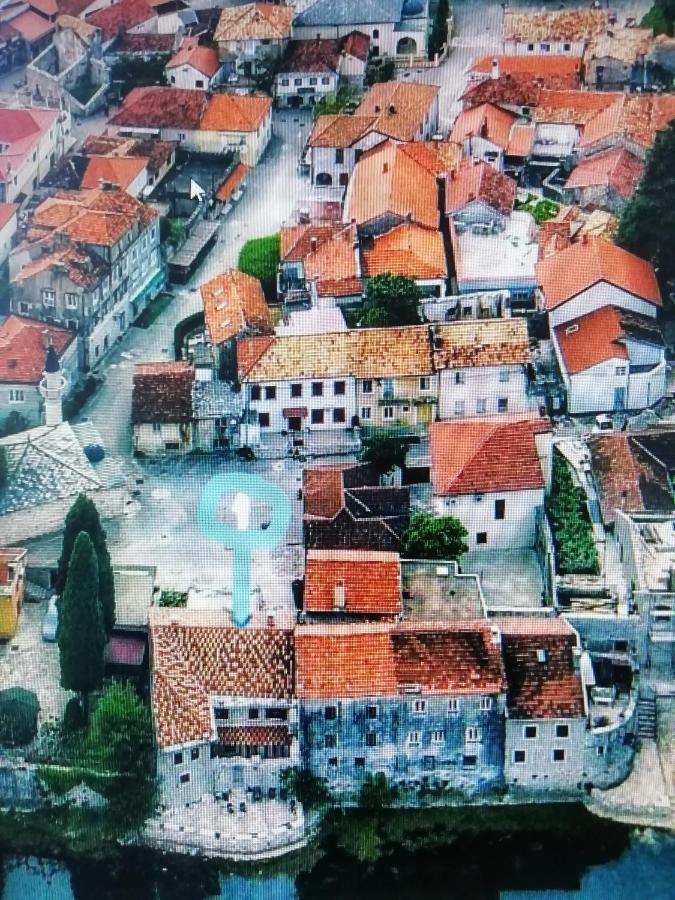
[[508, 257]]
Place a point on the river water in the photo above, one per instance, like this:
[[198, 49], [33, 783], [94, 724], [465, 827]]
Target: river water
[[609, 863]]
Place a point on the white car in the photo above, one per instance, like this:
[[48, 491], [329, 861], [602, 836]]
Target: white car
[[603, 424]]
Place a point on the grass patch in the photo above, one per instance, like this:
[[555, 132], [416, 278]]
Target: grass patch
[[153, 310], [60, 779], [173, 598], [541, 210], [260, 258], [571, 526]]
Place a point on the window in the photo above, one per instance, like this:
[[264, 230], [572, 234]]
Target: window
[[371, 739], [264, 420], [376, 32], [312, 81], [330, 713], [486, 703], [502, 404], [469, 760], [297, 82], [481, 537], [600, 750], [620, 370], [253, 712], [371, 712], [330, 741], [181, 136], [333, 761], [438, 737], [24, 309], [184, 778], [338, 415], [284, 82], [255, 392], [420, 706], [453, 706], [545, 48], [296, 390], [157, 427], [425, 383], [173, 79], [71, 301], [562, 731], [481, 406], [519, 757], [339, 156], [500, 509], [16, 395], [460, 377], [194, 753], [530, 731], [504, 374], [460, 407], [530, 48], [339, 388], [558, 755], [325, 80], [413, 737], [472, 735], [178, 758], [359, 762], [220, 712], [388, 412], [317, 389], [367, 386], [271, 393], [317, 417], [365, 412], [567, 48], [48, 297]]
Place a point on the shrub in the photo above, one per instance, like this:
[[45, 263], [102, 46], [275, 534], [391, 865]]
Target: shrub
[[571, 526], [19, 711], [305, 787], [377, 793], [260, 258], [173, 598], [73, 716]]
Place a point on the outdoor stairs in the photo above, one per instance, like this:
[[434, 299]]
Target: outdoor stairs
[[646, 717]]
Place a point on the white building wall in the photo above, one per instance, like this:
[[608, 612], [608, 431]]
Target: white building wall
[[324, 159], [539, 770], [188, 77], [554, 48], [595, 297], [477, 512], [482, 148], [327, 402], [480, 390], [646, 388], [48, 150], [7, 232], [310, 86]]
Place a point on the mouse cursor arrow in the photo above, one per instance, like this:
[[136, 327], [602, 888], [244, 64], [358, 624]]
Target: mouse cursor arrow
[[197, 192]]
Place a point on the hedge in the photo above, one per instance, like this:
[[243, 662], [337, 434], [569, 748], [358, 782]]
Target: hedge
[[260, 258], [570, 523]]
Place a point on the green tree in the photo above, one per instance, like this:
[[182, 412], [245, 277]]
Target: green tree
[[14, 423], [80, 634], [305, 787], [344, 100], [383, 452], [660, 17], [434, 537], [647, 225], [390, 300], [439, 28], [376, 792], [19, 711], [4, 467], [378, 70], [260, 258], [120, 734], [83, 516]]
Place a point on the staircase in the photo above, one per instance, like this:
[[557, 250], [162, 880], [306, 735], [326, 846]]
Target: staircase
[[646, 717]]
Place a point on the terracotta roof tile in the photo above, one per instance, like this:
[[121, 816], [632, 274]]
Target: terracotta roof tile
[[550, 689], [7, 212], [322, 491], [409, 250], [162, 392], [311, 56], [521, 140], [236, 177], [636, 118], [356, 44], [399, 107], [470, 456], [23, 351], [389, 661], [203, 59], [593, 260], [234, 304], [161, 107], [339, 130], [617, 169], [477, 180], [625, 44], [509, 90], [561, 25], [82, 268], [370, 582], [542, 66], [31, 26], [254, 735], [486, 121], [333, 265], [121, 17], [255, 22], [297, 241], [119, 170], [235, 112], [572, 107], [487, 342], [146, 43]]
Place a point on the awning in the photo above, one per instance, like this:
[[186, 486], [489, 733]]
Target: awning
[[295, 412]]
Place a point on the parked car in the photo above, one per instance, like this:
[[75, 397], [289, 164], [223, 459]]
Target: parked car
[[51, 620], [603, 424]]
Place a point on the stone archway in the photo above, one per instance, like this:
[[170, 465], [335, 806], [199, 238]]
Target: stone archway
[[407, 46], [324, 179]]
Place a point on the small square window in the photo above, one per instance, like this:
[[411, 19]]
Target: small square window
[[325, 80], [502, 404], [371, 712], [339, 388], [330, 741], [184, 778], [530, 731], [333, 761], [504, 375], [453, 706], [437, 737], [194, 753], [558, 755], [367, 386], [317, 417], [469, 760], [330, 713], [460, 377], [388, 412], [519, 757], [253, 712], [338, 415], [481, 537], [264, 420], [371, 739], [413, 737], [420, 706], [255, 392], [486, 703], [271, 393], [365, 412], [360, 762], [312, 81], [567, 48], [297, 82], [481, 406], [620, 370], [500, 509], [562, 731], [425, 383], [339, 156], [472, 735], [460, 407], [178, 758], [296, 390], [317, 389], [600, 750]]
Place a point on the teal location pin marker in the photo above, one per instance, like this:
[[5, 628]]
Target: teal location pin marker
[[242, 539]]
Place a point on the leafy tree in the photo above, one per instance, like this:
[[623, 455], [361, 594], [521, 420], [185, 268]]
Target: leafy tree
[[572, 531], [660, 17], [120, 734], [73, 716], [376, 792], [647, 225], [14, 423], [19, 710], [305, 787], [390, 300], [264, 74], [439, 28], [434, 537], [260, 258], [83, 516], [343, 100], [383, 452], [4, 467], [81, 634], [378, 70]]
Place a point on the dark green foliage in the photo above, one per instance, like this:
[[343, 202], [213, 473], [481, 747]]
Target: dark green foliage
[[434, 537], [120, 735], [345, 100], [260, 258], [83, 516], [138, 72], [19, 710], [383, 452], [390, 300], [378, 70], [377, 793], [647, 225], [14, 423], [73, 716], [439, 28], [4, 467], [81, 634], [572, 532], [173, 598], [660, 17], [305, 787]]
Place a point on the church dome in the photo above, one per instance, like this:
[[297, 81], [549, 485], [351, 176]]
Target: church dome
[[412, 8]]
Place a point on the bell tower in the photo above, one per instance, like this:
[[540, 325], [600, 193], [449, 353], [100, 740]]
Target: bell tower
[[52, 388]]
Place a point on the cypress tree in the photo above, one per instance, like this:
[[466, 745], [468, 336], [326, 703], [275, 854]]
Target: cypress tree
[[81, 634], [83, 516]]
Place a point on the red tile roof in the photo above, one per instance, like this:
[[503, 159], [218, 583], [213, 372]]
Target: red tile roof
[[31, 26], [485, 121], [550, 689], [617, 169], [542, 66], [203, 59], [119, 170], [399, 107], [322, 491], [333, 266], [236, 177], [580, 266], [470, 456], [146, 43], [635, 117], [254, 735], [162, 392], [400, 660], [356, 44], [255, 22], [407, 249], [7, 212], [161, 107], [524, 25], [121, 17], [312, 56], [235, 112], [572, 107], [476, 180], [234, 304], [23, 351], [370, 581], [339, 130], [20, 131], [592, 339]]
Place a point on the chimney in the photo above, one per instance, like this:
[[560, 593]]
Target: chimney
[[339, 595], [314, 243], [495, 636], [584, 239], [494, 70], [385, 168], [46, 339], [440, 192], [392, 109], [378, 108]]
